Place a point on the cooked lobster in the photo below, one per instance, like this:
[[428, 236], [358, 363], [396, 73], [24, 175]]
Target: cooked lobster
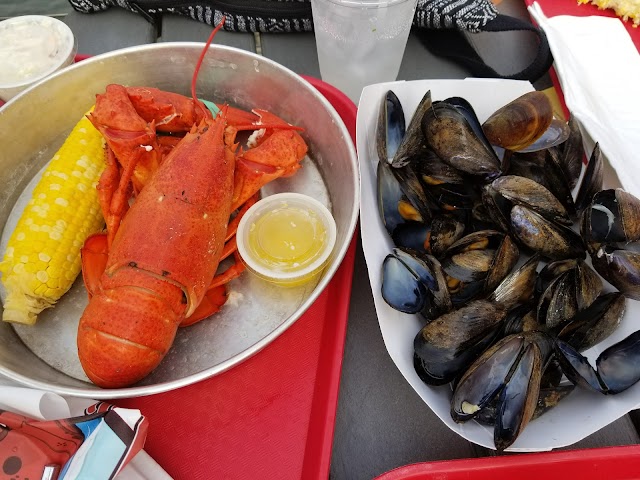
[[154, 269]]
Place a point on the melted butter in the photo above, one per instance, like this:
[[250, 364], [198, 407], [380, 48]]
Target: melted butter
[[287, 238]]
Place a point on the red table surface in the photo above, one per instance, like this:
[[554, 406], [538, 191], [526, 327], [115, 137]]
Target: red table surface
[[273, 415]]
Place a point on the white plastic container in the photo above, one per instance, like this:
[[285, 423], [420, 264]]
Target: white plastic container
[[32, 47], [286, 238]]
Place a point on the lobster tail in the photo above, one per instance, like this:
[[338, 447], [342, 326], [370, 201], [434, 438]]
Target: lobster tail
[[124, 334]]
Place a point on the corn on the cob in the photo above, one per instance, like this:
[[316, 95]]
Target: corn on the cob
[[625, 9], [42, 258]]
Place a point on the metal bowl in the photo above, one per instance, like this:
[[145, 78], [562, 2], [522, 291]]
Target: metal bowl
[[34, 124]]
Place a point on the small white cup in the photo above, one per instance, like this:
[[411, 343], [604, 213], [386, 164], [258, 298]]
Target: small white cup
[[32, 47], [261, 252], [361, 42]]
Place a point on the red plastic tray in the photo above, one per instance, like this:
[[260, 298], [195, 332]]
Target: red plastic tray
[[613, 463], [273, 415]]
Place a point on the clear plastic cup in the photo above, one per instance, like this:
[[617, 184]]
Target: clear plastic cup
[[32, 47], [361, 42], [286, 238]]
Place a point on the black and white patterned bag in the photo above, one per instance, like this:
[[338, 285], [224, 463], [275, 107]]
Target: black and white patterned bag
[[438, 23]]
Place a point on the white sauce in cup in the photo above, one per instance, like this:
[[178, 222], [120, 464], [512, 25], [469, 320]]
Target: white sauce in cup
[[31, 48]]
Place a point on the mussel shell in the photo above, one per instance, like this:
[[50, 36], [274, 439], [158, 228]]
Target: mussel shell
[[518, 286], [390, 128], [402, 289], [411, 186], [617, 368], [393, 206], [613, 216], [445, 347], [543, 167], [592, 180], [519, 123], [556, 134], [479, 260], [573, 290], [413, 282], [621, 268], [518, 399], [520, 318], [577, 368], [445, 231], [413, 142], [524, 191], [571, 153], [413, 235], [547, 399], [485, 378], [434, 171], [551, 240], [619, 365], [595, 323], [550, 272], [451, 136]]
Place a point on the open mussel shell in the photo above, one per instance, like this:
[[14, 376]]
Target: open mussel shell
[[391, 127], [547, 399], [413, 282], [452, 130], [510, 371], [445, 347], [393, 206], [619, 365], [477, 263], [613, 216], [526, 124], [574, 288], [617, 368]]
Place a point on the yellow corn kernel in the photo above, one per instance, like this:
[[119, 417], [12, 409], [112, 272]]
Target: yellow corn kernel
[[42, 258], [625, 9]]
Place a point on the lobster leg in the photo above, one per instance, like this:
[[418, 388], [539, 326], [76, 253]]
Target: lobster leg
[[216, 294], [94, 254]]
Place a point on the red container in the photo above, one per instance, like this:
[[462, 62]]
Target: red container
[[613, 463]]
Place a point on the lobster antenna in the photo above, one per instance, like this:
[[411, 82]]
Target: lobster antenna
[[199, 64]]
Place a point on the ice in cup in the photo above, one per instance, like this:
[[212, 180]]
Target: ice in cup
[[361, 42], [32, 47]]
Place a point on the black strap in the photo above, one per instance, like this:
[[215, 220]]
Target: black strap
[[453, 44]]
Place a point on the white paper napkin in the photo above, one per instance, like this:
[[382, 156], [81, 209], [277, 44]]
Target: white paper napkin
[[42, 405], [599, 71]]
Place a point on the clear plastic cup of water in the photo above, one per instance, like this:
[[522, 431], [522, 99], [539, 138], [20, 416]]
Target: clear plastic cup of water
[[361, 42]]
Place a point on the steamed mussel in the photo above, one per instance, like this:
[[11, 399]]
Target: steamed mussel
[[462, 201]]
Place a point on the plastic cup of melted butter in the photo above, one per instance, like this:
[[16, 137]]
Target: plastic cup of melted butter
[[286, 238], [32, 47]]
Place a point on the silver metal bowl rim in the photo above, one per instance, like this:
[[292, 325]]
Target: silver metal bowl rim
[[103, 394]]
